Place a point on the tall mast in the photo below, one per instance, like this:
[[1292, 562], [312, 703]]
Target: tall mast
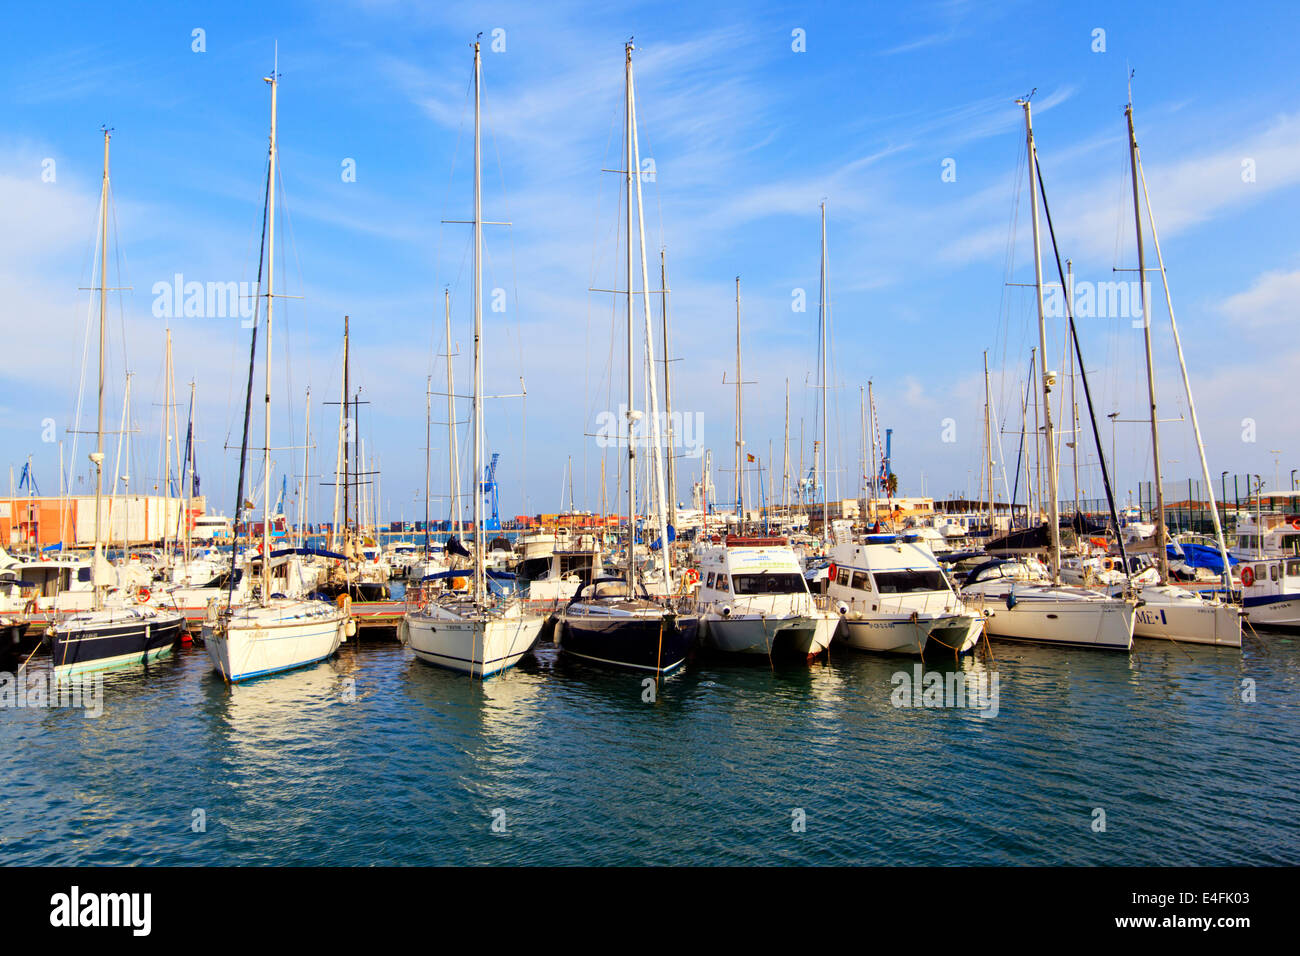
[[98, 456], [453, 454], [826, 528], [189, 484], [1162, 556], [273, 79], [740, 491], [428, 443], [628, 173], [988, 440], [479, 570], [656, 446], [862, 453], [668, 396], [1074, 400], [168, 404], [306, 470], [338, 461], [1054, 527], [1187, 386], [349, 428], [875, 472], [785, 467]]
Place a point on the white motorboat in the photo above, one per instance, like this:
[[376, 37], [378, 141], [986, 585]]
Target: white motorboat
[[894, 598], [1270, 591], [754, 600]]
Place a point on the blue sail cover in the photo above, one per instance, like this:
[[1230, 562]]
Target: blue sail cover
[[1199, 556], [659, 543]]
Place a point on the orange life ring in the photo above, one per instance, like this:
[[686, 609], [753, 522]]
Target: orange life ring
[[692, 576], [830, 572], [1296, 524], [142, 594], [1247, 576]]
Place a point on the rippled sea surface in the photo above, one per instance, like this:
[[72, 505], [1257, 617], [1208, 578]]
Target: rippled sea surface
[[376, 758]]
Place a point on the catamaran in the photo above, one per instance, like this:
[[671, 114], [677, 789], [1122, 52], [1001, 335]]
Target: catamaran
[[122, 630], [276, 632], [482, 632]]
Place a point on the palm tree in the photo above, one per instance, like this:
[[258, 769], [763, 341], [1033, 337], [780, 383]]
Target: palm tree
[[891, 484]]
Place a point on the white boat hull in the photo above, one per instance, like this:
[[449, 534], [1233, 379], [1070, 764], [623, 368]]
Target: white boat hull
[[284, 635], [1104, 624], [1274, 613], [1187, 621], [905, 634], [478, 646], [800, 634]]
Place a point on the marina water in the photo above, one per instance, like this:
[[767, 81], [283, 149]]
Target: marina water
[[376, 758]]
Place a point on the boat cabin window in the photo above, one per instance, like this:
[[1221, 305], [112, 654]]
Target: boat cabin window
[[1259, 572], [1293, 569], [842, 577], [708, 582], [83, 574], [905, 582], [1272, 572], [772, 582], [862, 580]]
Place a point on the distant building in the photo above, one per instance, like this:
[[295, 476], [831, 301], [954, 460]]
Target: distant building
[[38, 522]]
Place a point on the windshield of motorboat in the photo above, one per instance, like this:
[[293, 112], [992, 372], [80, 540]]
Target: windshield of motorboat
[[909, 581], [769, 582]]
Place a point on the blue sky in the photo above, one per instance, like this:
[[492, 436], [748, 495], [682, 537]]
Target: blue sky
[[747, 136]]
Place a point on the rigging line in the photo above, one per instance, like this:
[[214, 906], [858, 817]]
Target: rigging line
[[518, 321], [1087, 391], [588, 398], [248, 403]]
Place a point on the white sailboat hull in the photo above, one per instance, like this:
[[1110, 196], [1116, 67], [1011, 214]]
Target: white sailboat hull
[[1188, 620], [286, 634], [1101, 623], [477, 645]]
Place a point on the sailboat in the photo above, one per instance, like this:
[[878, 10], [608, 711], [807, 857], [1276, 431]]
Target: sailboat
[[612, 620], [116, 632], [273, 633], [477, 633], [1021, 605], [1169, 612]]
